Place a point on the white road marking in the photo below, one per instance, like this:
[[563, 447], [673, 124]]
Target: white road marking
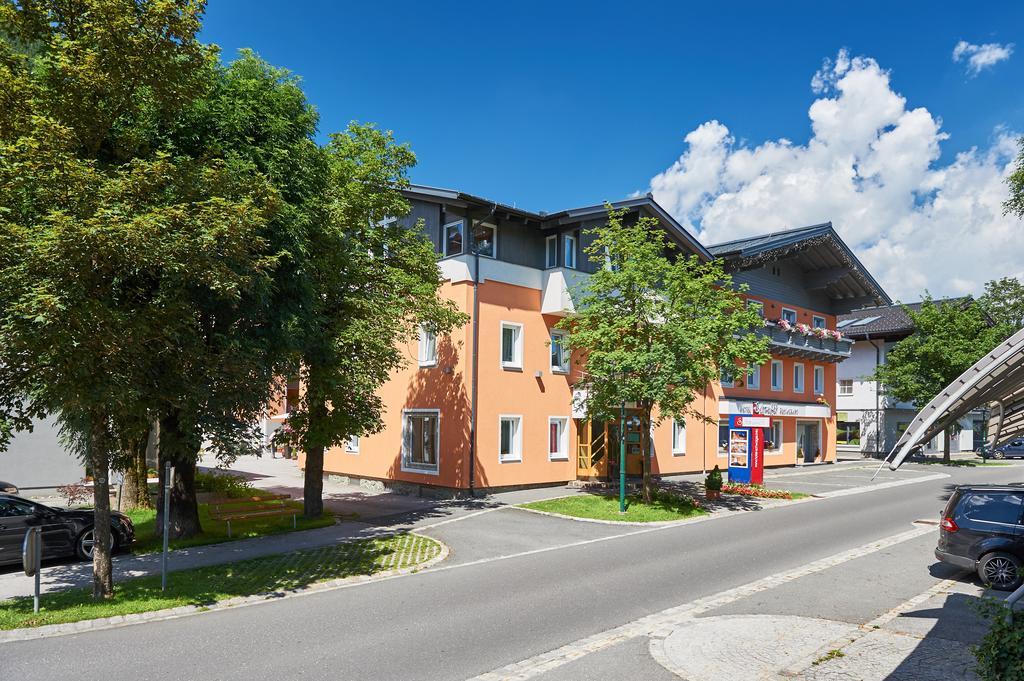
[[661, 624], [461, 517], [883, 485]]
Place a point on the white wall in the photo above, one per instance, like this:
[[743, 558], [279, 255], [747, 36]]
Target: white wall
[[37, 459]]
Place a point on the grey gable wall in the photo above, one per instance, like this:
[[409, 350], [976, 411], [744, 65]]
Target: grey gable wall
[[788, 286]]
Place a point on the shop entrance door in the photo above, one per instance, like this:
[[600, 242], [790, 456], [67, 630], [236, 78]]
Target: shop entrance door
[[808, 441]]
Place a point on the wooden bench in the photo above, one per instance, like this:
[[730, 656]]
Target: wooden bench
[[248, 508]]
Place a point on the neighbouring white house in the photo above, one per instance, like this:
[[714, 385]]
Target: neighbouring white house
[[867, 420]]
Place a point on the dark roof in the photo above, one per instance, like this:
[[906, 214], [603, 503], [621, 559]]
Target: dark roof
[[886, 321], [820, 252], [546, 220]]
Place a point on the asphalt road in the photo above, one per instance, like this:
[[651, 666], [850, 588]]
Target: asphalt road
[[481, 611]]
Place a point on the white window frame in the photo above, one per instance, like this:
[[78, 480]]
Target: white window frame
[[782, 315], [841, 387], [754, 379], [352, 445], [776, 423], [516, 455], [563, 438], [727, 373], [815, 319], [819, 386], [444, 236], [494, 245], [409, 467], [781, 374], [422, 359], [564, 367], [517, 349], [550, 261], [569, 255], [798, 370], [678, 437]]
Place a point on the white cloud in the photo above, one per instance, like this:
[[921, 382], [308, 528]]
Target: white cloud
[[981, 56], [871, 168]]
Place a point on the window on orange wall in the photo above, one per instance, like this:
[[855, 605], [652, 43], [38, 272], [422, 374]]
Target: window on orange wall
[[819, 380], [798, 378], [678, 437], [754, 378], [723, 437], [773, 443], [789, 315], [776, 374], [818, 322], [558, 438]]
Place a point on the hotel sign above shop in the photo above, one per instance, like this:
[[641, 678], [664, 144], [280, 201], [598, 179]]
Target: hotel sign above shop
[[776, 409]]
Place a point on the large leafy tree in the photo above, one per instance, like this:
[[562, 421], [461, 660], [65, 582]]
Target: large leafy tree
[[948, 337], [370, 282], [107, 239], [1003, 301], [1015, 203], [654, 327]]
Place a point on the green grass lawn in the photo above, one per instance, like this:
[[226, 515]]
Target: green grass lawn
[[205, 586], [606, 507], [148, 540]]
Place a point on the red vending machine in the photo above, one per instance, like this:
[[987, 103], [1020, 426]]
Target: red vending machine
[[746, 448]]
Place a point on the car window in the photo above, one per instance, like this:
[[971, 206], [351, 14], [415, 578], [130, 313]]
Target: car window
[[15, 507], [992, 507]]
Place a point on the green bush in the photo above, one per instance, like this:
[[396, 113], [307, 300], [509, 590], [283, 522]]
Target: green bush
[[714, 480], [1001, 652], [231, 486]]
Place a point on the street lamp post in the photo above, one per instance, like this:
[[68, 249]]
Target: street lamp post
[[622, 458]]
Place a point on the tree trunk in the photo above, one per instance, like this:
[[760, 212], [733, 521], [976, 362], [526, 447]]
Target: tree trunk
[[181, 449], [313, 477], [945, 446], [99, 462], [645, 444], [135, 493]]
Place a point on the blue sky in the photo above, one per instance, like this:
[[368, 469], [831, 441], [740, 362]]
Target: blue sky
[[557, 104], [549, 105]]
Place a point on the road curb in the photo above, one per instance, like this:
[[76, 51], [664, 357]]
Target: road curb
[[117, 621]]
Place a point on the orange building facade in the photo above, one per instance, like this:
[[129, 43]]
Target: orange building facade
[[492, 405]]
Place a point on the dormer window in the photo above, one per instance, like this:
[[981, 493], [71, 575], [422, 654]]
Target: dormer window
[[454, 238], [486, 239]]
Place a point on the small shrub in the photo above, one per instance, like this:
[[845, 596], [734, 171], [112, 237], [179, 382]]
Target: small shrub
[[75, 492], [231, 486], [671, 497], [1001, 652], [714, 480]]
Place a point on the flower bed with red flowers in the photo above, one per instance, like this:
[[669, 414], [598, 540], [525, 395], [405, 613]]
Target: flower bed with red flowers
[[755, 491]]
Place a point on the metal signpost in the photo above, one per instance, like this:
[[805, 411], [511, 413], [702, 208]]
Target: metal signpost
[[168, 478], [32, 557]]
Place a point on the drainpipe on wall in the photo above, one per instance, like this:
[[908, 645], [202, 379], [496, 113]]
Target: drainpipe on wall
[[476, 347]]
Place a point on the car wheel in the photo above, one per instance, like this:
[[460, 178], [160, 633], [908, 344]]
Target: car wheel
[[1002, 570], [998, 455], [86, 541]]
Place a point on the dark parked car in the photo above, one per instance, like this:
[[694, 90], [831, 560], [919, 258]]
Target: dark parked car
[[8, 487], [66, 532], [982, 529], [1009, 450]]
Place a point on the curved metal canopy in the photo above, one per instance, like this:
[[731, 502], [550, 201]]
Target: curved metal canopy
[[996, 381]]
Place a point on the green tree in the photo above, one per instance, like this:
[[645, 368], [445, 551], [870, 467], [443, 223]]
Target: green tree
[[105, 237], [370, 283], [1015, 203], [655, 327], [948, 337], [1003, 301]]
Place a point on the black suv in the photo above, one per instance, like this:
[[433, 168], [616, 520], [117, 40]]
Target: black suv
[[982, 529]]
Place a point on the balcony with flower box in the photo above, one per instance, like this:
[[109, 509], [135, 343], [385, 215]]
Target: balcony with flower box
[[800, 340]]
